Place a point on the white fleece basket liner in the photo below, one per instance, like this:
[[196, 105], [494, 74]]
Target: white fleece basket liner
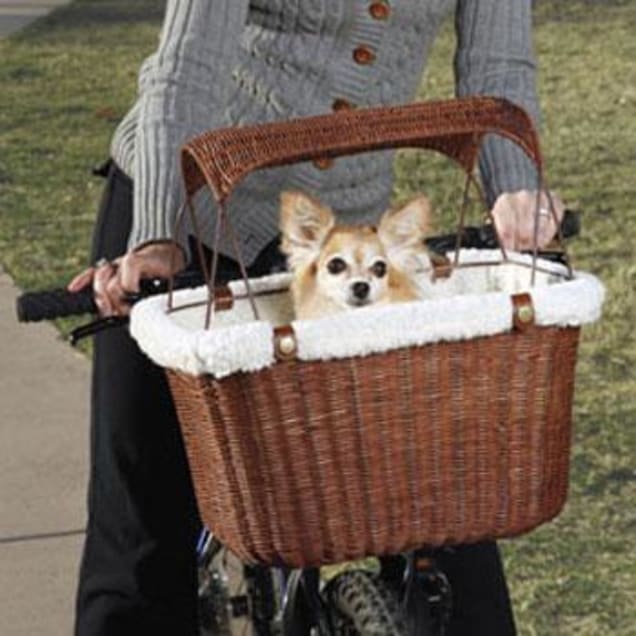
[[473, 302]]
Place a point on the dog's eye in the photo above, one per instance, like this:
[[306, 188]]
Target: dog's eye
[[379, 269], [336, 265]]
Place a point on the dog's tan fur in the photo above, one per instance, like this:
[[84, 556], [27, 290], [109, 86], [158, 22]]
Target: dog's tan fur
[[311, 239]]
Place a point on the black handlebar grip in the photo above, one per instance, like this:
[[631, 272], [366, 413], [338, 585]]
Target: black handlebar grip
[[56, 303], [571, 223]]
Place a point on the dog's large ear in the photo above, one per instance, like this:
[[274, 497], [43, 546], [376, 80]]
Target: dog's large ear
[[304, 224], [402, 232]]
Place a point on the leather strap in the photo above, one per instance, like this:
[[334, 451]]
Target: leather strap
[[223, 298]]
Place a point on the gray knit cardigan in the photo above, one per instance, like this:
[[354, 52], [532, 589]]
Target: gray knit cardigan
[[230, 62]]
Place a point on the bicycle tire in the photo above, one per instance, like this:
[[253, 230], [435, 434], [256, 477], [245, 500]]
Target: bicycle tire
[[213, 600], [360, 604], [263, 601]]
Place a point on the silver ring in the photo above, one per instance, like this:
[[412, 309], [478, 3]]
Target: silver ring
[[545, 212], [101, 263]]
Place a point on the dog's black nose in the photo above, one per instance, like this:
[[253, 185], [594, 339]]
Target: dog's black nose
[[361, 290]]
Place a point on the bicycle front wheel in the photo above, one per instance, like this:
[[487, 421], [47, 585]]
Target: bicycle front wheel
[[360, 604]]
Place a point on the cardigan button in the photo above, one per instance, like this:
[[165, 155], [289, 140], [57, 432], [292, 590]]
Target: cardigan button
[[380, 11], [323, 163], [341, 104], [363, 55]]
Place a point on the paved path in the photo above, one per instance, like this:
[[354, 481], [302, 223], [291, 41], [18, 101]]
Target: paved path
[[15, 14], [44, 387]]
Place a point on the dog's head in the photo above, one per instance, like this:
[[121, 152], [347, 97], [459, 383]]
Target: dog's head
[[351, 266]]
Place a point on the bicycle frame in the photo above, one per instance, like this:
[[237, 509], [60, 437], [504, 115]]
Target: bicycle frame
[[297, 606]]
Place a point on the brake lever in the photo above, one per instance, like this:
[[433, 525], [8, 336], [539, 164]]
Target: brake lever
[[147, 287], [95, 326]]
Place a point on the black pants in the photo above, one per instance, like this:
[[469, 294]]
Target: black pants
[[138, 572]]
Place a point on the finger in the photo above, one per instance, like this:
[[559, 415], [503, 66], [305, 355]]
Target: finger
[[547, 230], [507, 238], [533, 226], [552, 210], [130, 272], [115, 294], [544, 226], [503, 213], [100, 284], [507, 229], [524, 239], [81, 280], [153, 263]]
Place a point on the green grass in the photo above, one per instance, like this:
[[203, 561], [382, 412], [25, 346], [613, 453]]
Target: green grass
[[577, 575], [68, 79]]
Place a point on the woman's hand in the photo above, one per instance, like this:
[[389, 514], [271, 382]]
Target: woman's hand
[[514, 214], [112, 280]]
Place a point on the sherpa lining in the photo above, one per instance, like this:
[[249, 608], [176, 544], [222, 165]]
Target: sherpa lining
[[474, 301]]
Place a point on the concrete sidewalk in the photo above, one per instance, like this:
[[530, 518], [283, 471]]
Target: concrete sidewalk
[[16, 14], [44, 391]]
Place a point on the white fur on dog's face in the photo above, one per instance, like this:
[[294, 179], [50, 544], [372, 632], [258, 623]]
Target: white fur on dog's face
[[352, 269], [342, 267]]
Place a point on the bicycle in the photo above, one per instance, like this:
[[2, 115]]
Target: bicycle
[[358, 600], [397, 595]]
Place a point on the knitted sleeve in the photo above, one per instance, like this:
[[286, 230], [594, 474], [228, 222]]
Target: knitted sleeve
[[495, 56], [184, 89]]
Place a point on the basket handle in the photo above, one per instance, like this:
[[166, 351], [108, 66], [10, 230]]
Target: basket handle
[[222, 158]]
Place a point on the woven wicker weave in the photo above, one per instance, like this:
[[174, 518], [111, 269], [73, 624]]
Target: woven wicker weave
[[313, 462], [222, 158], [308, 462]]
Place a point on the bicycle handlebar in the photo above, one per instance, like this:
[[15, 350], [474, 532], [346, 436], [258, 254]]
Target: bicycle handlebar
[[59, 303], [54, 303]]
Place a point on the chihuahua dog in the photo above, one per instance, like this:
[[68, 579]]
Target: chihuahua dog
[[338, 267]]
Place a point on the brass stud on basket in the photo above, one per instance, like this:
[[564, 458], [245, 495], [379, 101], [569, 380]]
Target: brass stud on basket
[[525, 314], [285, 345], [523, 311]]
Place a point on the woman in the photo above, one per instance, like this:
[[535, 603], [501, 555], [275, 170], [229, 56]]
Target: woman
[[221, 63]]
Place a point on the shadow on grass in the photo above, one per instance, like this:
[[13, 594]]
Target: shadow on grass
[[93, 13]]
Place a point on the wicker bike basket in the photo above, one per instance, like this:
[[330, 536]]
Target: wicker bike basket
[[314, 442]]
